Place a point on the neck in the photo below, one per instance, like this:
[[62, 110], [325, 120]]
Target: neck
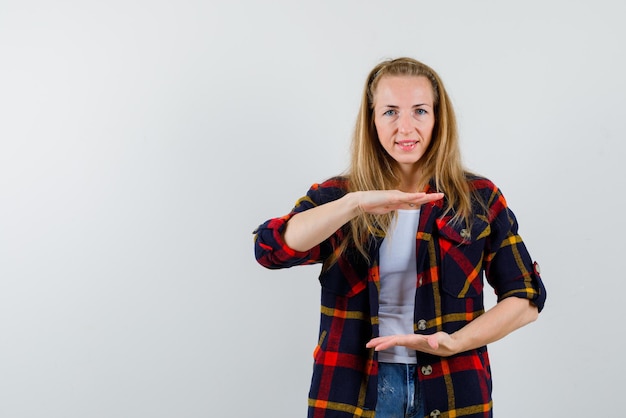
[[411, 181]]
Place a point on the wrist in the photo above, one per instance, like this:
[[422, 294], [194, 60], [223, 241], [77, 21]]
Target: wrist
[[353, 204]]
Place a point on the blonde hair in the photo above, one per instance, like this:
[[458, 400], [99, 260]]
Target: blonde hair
[[371, 168]]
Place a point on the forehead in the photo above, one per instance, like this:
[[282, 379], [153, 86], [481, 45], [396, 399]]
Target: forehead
[[400, 90]]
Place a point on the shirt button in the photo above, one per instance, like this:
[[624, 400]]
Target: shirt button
[[537, 269], [435, 413], [465, 234], [427, 370], [421, 324]]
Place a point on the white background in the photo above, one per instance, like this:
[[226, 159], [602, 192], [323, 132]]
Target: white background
[[141, 142]]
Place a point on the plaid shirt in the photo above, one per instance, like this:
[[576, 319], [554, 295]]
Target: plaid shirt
[[451, 260]]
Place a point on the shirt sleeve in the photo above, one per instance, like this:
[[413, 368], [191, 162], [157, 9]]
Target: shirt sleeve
[[509, 267], [271, 250]]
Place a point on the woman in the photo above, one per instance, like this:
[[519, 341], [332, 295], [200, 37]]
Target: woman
[[405, 237]]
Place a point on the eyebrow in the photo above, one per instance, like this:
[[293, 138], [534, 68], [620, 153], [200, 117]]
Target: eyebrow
[[415, 105]]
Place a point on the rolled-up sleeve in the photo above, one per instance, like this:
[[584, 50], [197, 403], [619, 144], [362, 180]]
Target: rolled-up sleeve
[[509, 267], [272, 251], [270, 248]]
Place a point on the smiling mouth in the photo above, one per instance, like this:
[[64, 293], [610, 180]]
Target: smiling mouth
[[407, 145]]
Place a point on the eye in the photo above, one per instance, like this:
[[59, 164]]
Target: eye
[[390, 112], [421, 112]]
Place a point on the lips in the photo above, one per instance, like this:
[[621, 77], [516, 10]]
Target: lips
[[407, 145]]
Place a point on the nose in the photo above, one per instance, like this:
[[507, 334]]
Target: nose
[[405, 123]]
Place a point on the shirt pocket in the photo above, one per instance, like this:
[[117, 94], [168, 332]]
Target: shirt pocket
[[461, 252]]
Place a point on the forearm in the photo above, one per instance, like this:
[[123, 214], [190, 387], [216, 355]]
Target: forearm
[[505, 317], [311, 227]]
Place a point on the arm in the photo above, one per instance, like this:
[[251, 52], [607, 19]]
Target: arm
[[316, 217], [309, 228], [505, 317], [510, 270]]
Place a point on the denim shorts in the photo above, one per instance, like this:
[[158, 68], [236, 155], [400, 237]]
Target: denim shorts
[[398, 391]]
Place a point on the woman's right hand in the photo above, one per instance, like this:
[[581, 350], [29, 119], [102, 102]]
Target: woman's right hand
[[379, 202], [309, 228]]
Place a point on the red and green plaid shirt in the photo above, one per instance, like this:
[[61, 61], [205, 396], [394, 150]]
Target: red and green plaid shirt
[[451, 263]]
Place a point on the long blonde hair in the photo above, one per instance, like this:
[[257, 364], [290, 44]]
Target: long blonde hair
[[371, 168]]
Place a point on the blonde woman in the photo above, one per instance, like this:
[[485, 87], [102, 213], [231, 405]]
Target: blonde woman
[[405, 238]]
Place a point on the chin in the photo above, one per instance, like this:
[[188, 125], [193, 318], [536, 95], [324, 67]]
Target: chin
[[408, 160]]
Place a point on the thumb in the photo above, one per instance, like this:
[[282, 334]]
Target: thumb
[[433, 342]]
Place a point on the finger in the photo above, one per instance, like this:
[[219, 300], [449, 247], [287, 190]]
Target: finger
[[426, 197], [381, 343], [375, 341], [431, 197], [385, 345]]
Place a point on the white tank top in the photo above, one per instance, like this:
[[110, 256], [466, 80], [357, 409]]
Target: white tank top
[[398, 271]]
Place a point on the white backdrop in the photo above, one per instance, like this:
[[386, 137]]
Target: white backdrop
[[141, 142]]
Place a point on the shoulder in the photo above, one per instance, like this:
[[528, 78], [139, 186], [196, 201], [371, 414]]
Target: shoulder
[[484, 187], [336, 182], [480, 183], [333, 187], [487, 196], [324, 192]]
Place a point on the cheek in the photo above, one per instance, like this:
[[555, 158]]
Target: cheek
[[382, 130], [427, 129]]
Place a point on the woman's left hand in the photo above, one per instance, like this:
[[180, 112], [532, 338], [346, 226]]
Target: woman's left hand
[[505, 317], [440, 344]]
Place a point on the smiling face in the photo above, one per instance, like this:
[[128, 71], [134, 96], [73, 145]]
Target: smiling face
[[404, 117]]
